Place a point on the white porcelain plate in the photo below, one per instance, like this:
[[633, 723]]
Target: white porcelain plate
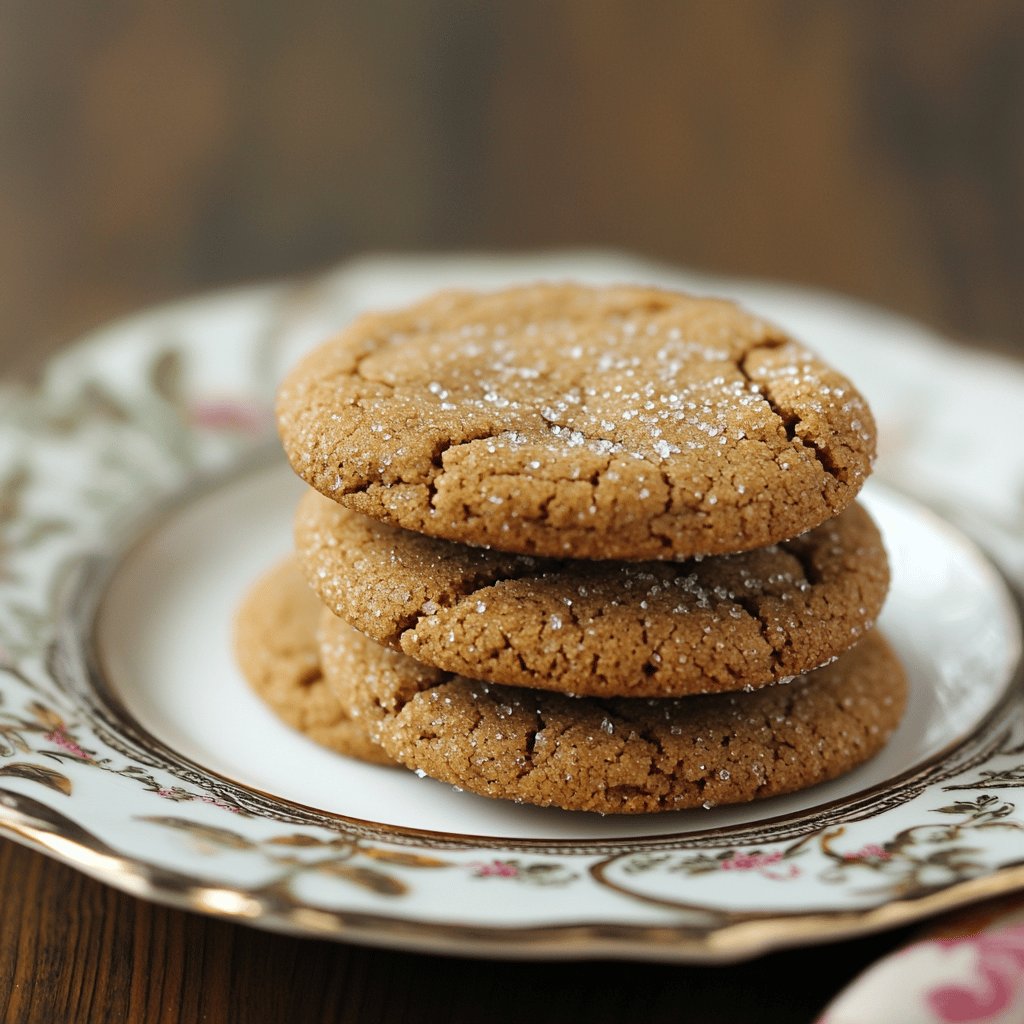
[[140, 494]]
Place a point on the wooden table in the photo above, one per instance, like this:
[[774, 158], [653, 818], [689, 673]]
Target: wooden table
[[77, 951]]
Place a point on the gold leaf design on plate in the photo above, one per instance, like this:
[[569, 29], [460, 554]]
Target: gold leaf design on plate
[[300, 839], [406, 860], [367, 878], [12, 487], [166, 375], [11, 740], [97, 401], [221, 837], [46, 717], [37, 773]]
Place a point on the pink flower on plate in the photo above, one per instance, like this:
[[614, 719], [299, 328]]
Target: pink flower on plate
[[761, 862], [60, 738], [495, 869], [869, 851], [228, 414], [750, 861]]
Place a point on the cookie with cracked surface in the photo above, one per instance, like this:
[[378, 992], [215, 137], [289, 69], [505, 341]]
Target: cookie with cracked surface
[[276, 647], [569, 421], [622, 755], [626, 629]]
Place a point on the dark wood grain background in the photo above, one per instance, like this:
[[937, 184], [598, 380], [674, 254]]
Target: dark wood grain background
[[147, 150], [151, 149]]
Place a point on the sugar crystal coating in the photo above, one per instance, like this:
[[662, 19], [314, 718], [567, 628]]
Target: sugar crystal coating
[[621, 755], [601, 628], [562, 420]]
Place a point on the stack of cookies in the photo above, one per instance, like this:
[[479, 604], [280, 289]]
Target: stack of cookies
[[592, 548]]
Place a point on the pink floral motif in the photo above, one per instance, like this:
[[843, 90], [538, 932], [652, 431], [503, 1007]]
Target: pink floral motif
[[870, 851], [228, 414], [999, 982], [761, 862], [60, 737], [750, 861], [495, 869]]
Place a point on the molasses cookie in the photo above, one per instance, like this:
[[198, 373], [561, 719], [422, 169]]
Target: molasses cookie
[[569, 421], [276, 648], [590, 628], [622, 755]]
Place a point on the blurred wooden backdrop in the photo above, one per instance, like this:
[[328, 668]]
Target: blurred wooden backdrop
[[150, 149]]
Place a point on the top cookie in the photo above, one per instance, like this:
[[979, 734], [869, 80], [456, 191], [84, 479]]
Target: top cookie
[[627, 423]]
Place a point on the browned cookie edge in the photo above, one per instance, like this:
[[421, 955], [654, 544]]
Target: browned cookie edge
[[276, 648]]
